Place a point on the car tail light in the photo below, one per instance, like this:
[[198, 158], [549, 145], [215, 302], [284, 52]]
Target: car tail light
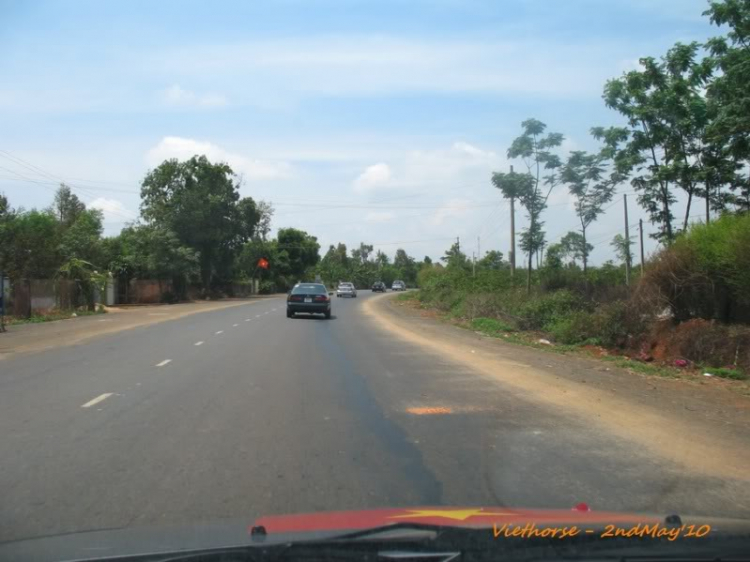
[[321, 298], [296, 298]]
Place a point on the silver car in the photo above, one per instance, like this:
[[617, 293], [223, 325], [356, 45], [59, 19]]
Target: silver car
[[346, 290]]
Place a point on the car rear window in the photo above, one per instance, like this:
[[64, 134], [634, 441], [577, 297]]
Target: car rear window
[[311, 289]]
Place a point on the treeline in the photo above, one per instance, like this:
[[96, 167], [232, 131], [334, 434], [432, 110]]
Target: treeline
[[688, 121], [195, 229]]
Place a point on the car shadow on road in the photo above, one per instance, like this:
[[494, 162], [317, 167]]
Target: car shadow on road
[[303, 316]]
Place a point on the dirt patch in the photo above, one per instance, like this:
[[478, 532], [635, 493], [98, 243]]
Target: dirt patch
[[698, 426]]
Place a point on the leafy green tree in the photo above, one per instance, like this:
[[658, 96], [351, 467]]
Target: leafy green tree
[[82, 238], [622, 248], [492, 260], [573, 246], [585, 176], [646, 154], [728, 94], [298, 252], [265, 214], [199, 202], [361, 255], [454, 258], [533, 188], [406, 266], [30, 246], [428, 261], [66, 206], [381, 258]]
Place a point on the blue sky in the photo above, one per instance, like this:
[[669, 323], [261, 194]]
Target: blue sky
[[388, 116]]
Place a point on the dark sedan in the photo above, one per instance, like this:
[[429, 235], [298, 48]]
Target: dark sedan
[[378, 287], [310, 298]]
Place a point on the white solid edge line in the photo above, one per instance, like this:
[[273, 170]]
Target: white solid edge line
[[219, 332], [198, 343], [163, 362], [97, 400]]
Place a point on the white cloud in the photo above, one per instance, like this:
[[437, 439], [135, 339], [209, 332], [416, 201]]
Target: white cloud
[[379, 216], [453, 208], [376, 175], [112, 209], [177, 96], [184, 148]]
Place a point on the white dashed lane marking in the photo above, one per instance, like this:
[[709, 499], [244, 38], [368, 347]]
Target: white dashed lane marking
[[235, 325], [247, 320], [219, 332], [198, 343], [165, 362], [96, 400]]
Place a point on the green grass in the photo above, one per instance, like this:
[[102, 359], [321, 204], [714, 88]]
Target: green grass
[[724, 373], [490, 326], [58, 315], [644, 368], [406, 296]]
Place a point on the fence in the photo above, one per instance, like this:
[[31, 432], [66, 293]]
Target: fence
[[26, 297], [40, 296]]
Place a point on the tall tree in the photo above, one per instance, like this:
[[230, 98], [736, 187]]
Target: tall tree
[[623, 248], [636, 95], [585, 175], [66, 206], [533, 188], [265, 213], [728, 93], [405, 265], [82, 239], [199, 202], [573, 246], [455, 258], [298, 252]]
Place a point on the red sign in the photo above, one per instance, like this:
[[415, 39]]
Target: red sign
[[263, 263]]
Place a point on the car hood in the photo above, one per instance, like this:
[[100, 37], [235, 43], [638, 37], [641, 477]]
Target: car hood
[[276, 529]]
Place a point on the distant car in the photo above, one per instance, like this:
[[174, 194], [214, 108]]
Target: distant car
[[308, 298], [346, 290], [398, 286], [378, 287]]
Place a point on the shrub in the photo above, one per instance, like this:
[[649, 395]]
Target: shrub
[[706, 272], [543, 311]]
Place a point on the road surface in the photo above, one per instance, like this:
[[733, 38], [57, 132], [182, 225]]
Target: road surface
[[241, 412]]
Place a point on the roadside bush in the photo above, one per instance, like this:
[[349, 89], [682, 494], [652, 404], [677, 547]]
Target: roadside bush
[[708, 343], [539, 312], [706, 272]]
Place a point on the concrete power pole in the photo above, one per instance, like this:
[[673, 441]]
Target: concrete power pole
[[640, 227], [512, 234], [627, 240]]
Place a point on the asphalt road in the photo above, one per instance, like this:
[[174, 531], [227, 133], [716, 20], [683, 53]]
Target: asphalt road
[[241, 412]]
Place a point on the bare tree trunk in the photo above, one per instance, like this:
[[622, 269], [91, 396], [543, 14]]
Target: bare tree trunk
[[708, 203], [687, 210]]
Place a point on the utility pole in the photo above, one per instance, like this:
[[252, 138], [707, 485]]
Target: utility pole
[[512, 234], [473, 265], [627, 240], [640, 227], [479, 249]]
